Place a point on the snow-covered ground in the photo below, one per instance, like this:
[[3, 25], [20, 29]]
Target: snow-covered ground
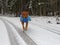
[[40, 31]]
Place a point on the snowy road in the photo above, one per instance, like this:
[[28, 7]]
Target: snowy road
[[39, 33], [26, 39]]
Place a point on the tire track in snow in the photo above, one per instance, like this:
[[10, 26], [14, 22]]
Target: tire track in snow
[[10, 33], [55, 29], [52, 26], [25, 37], [43, 27]]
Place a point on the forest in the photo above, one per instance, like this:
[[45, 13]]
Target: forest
[[36, 7]]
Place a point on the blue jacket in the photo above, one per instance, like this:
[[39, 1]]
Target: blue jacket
[[25, 19]]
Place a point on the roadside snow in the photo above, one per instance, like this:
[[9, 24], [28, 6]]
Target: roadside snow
[[4, 39]]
